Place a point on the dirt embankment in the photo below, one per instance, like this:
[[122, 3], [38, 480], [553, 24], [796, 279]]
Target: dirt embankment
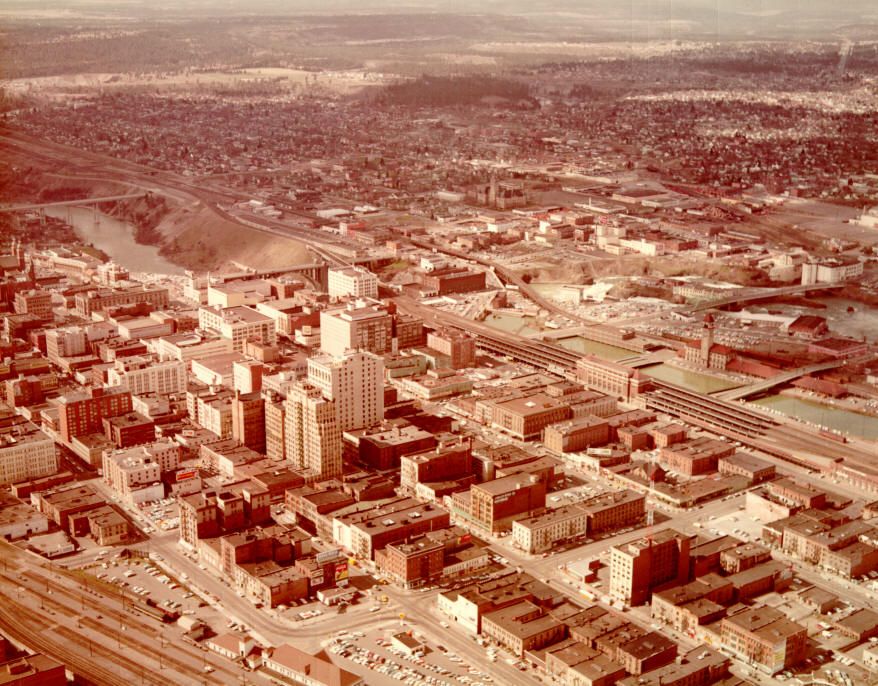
[[200, 239], [144, 214], [197, 238], [661, 267]]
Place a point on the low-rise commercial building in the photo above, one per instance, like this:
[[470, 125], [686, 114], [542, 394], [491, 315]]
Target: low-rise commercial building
[[765, 638], [602, 513]]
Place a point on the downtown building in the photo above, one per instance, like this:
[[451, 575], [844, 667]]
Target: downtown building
[[238, 324], [145, 375], [97, 300], [312, 434], [352, 282], [647, 564], [83, 412], [354, 381], [25, 453]]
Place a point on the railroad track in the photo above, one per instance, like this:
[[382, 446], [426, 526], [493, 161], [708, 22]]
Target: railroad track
[[100, 650], [15, 619]]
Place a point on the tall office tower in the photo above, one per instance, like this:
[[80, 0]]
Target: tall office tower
[[248, 420], [312, 433], [275, 417], [355, 383], [361, 325]]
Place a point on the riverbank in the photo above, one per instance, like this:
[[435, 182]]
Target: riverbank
[[819, 416], [116, 239], [867, 408], [184, 231]]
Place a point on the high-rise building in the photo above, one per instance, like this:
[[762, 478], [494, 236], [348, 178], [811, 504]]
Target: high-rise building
[[247, 376], [312, 433], [361, 325], [248, 420], [83, 412], [642, 566], [275, 417], [355, 383], [355, 282]]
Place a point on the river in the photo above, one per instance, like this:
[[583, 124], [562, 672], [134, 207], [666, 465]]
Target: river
[[116, 238], [852, 423], [603, 350], [687, 379]]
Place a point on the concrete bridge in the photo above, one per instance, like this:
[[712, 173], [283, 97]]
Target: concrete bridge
[[84, 202], [742, 392], [750, 295], [317, 272]]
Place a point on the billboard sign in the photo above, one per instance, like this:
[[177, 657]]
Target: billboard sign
[[327, 556]]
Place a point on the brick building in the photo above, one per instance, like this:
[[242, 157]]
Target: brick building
[[645, 565], [577, 434], [458, 346], [522, 627], [764, 637], [382, 448], [492, 506], [751, 468], [82, 412], [452, 280], [698, 456], [588, 518], [412, 564]]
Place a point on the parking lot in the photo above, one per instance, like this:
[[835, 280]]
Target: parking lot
[[374, 652], [161, 515], [145, 579]]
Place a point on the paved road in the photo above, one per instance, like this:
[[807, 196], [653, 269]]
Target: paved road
[[420, 610]]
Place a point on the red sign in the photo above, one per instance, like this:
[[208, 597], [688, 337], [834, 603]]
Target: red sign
[[188, 474]]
